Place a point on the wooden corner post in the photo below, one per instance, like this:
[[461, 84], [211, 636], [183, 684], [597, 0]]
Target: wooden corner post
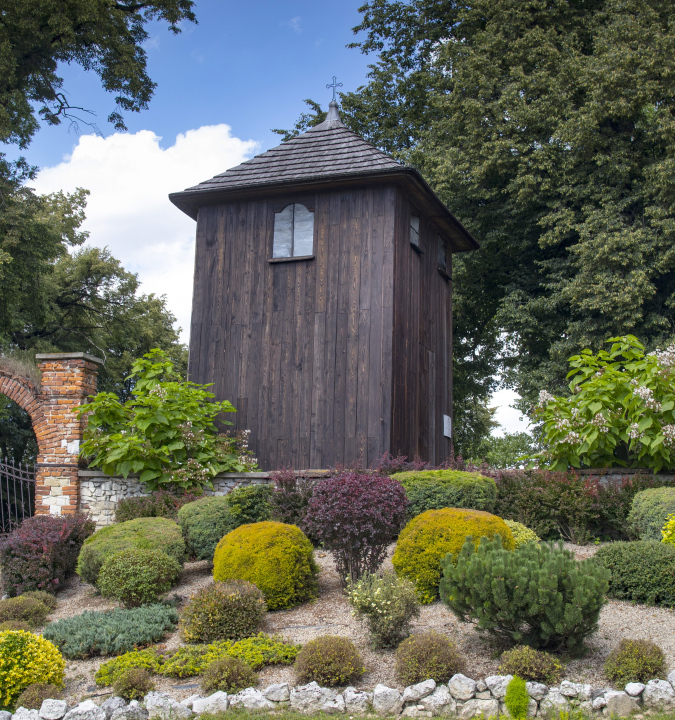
[[68, 380]]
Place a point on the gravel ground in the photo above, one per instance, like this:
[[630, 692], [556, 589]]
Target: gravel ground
[[330, 614]]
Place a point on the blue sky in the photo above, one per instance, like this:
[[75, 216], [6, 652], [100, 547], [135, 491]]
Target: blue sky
[[247, 64], [222, 85]]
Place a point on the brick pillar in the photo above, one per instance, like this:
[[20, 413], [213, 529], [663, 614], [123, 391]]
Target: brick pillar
[[68, 379]]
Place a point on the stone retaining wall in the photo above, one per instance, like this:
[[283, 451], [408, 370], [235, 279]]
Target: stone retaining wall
[[99, 493], [462, 698]]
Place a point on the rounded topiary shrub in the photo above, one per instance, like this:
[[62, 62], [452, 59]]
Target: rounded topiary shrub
[[26, 609], [531, 664], [204, 522], [145, 533], [34, 695], [428, 655], [635, 661], [329, 660], [429, 537], [26, 659], [230, 610], [649, 511], [133, 683], [277, 558], [137, 576], [436, 489], [641, 571], [229, 674], [521, 533]]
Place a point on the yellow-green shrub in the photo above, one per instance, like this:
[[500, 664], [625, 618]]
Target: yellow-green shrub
[[521, 533], [148, 659], [429, 537], [668, 531], [276, 557], [26, 659]]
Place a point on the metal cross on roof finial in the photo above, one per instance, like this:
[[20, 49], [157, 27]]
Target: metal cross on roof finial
[[334, 85]]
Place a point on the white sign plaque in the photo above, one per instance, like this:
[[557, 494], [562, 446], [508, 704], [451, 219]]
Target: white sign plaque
[[447, 426]]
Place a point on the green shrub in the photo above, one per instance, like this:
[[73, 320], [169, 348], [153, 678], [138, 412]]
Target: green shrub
[[229, 674], [277, 558], [204, 522], [133, 684], [256, 652], [250, 504], [24, 608], [641, 571], [223, 611], [428, 655], [517, 698], [47, 599], [144, 533], [649, 512], [158, 504], [14, 625], [531, 664], [429, 537], [387, 604], [521, 533], [150, 659], [137, 576], [36, 693], [493, 587], [112, 632], [635, 661], [329, 660], [26, 659], [436, 489]]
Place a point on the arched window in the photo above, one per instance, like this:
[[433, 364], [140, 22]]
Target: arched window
[[293, 232]]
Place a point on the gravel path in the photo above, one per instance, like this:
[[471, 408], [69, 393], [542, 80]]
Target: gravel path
[[330, 614]]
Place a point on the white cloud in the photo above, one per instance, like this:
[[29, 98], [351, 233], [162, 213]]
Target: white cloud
[[293, 24], [129, 177]]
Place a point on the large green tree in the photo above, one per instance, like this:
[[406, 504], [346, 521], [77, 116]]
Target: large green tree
[[547, 127]]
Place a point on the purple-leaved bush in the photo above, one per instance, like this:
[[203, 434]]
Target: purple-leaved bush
[[356, 515]]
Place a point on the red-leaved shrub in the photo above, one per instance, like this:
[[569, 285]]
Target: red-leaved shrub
[[291, 496], [356, 515], [41, 552]]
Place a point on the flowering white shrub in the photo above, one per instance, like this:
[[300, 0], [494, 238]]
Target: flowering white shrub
[[620, 412], [387, 604]]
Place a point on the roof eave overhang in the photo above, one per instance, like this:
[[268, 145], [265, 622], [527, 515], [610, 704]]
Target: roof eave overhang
[[461, 240]]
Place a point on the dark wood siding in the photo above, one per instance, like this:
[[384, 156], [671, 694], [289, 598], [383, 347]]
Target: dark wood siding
[[301, 348], [422, 342]]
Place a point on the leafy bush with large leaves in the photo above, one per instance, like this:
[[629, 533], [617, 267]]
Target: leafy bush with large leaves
[[621, 410], [165, 431]]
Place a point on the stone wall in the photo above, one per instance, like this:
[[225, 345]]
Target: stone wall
[[99, 493]]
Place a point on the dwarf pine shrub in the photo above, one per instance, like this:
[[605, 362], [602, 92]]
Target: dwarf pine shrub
[[493, 588]]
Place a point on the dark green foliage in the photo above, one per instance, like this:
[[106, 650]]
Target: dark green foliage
[[28, 609], [436, 489], [223, 611], [495, 588], [329, 660], [428, 655], [112, 632], [34, 695], [204, 522], [649, 512], [158, 504], [290, 498], [531, 664], [635, 661], [133, 683], [137, 576], [48, 600], [517, 698], [145, 533], [642, 571], [229, 674]]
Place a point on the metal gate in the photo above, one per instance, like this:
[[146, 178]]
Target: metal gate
[[17, 494]]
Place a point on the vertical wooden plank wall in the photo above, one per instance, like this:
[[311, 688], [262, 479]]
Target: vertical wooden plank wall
[[422, 342], [302, 348]]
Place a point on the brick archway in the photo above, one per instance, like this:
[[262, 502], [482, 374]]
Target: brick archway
[[68, 379]]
